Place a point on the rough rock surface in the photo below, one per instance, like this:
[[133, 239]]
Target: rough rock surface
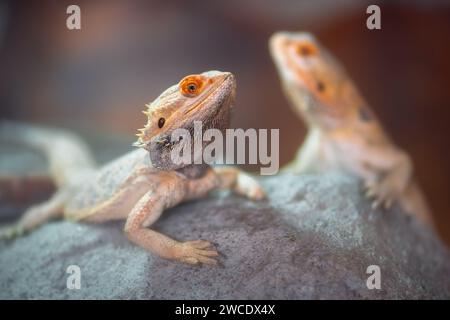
[[313, 238]]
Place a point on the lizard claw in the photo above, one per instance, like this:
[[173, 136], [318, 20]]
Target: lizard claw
[[381, 193], [196, 252], [256, 193], [388, 203], [369, 192]]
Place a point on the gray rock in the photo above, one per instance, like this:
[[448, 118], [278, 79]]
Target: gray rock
[[312, 239]]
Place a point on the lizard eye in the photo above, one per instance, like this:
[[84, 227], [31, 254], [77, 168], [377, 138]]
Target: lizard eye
[[306, 49], [191, 86], [161, 122], [320, 86]]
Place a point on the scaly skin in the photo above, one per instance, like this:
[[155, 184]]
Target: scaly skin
[[343, 132], [140, 185]]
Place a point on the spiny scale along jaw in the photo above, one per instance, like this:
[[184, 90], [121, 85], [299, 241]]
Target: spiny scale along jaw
[[207, 97], [317, 84], [141, 132]]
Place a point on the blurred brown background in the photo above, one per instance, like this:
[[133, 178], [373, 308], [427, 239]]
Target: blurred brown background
[[98, 79]]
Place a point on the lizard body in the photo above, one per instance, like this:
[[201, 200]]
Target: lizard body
[[141, 184], [343, 131]]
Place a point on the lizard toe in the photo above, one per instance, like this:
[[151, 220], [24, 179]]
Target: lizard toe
[[198, 251], [256, 193]]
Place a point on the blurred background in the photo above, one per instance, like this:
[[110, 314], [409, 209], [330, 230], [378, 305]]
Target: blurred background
[[96, 80]]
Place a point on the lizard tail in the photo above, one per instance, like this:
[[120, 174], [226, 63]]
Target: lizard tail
[[67, 154]]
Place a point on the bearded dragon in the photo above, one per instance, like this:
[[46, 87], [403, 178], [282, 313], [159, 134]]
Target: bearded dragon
[[343, 131], [142, 184]]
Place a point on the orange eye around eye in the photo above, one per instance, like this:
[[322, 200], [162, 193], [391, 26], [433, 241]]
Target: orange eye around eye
[[191, 85]]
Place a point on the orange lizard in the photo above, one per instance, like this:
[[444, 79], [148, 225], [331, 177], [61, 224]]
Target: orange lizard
[[142, 184], [343, 131]]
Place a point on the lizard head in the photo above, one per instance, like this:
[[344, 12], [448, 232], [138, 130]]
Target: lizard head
[[207, 97], [316, 83]]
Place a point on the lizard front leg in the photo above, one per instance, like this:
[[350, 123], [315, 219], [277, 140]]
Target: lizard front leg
[[241, 183], [147, 210], [393, 172]]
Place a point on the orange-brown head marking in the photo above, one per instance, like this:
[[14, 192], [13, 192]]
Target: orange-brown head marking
[[317, 84]]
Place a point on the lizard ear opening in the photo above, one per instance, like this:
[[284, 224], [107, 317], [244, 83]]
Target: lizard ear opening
[[306, 49]]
